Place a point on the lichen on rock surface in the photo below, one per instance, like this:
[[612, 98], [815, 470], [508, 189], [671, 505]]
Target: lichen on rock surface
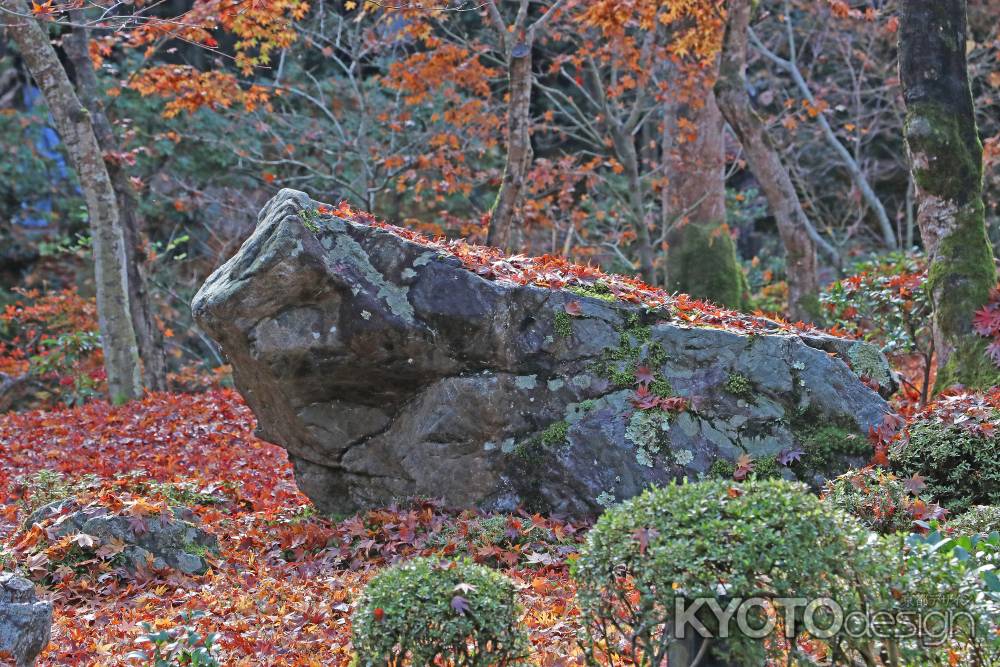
[[390, 365], [648, 431]]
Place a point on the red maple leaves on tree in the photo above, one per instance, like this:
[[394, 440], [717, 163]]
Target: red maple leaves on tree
[[986, 322]]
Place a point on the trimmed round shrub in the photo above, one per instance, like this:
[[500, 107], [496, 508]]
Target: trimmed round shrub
[[960, 468], [978, 519], [875, 496], [711, 539], [433, 612]]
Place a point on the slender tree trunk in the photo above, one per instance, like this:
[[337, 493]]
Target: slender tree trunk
[[946, 159], [121, 355], [793, 226], [701, 257], [148, 336], [501, 229], [626, 151]]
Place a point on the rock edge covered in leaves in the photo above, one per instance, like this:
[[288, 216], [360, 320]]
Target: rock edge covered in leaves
[[390, 366]]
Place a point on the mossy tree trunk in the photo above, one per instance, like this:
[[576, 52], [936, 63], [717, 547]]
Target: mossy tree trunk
[[796, 233], [701, 255], [73, 121], [946, 158]]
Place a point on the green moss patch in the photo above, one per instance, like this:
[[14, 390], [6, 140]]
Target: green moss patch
[[766, 467], [635, 348], [739, 385], [563, 324], [553, 436], [827, 443], [866, 361], [309, 219], [597, 290]]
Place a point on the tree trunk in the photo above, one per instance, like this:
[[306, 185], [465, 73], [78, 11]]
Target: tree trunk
[[854, 170], [793, 226], [148, 336], [501, 229], [946, 160], [121, 355], [626, 151], [701, 256]]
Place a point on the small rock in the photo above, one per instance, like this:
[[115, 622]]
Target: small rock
[[25, 622], [169, 540]]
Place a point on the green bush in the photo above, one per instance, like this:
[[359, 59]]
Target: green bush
[[960, 468], [711, 539], [944, 586], [875, 496], [431, 612], [978, 519], [885, 301]]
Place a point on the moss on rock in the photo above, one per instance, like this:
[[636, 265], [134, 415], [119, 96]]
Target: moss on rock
[[739, 385], [766, 467], [562, 324], [826, 444], [722, 468], [635, 348], [867, 361], [553, 436], [597, 290], [309, 219]]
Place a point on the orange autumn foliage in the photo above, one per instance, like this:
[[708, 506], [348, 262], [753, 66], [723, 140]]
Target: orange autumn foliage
[[188, 89]]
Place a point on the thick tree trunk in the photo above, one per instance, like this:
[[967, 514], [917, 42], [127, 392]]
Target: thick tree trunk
[[148, 336], [701, 257], [501, 229], [946, 159], [121, 355], [793, 226]]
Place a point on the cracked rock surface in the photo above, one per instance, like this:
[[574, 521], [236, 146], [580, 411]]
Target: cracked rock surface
[[389, 370], [25, 622]]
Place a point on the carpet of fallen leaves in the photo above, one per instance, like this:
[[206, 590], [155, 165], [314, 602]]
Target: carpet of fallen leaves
[[282, 588]]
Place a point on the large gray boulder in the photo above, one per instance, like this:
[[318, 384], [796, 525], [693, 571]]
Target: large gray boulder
[[25, 622], [389, 369]]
